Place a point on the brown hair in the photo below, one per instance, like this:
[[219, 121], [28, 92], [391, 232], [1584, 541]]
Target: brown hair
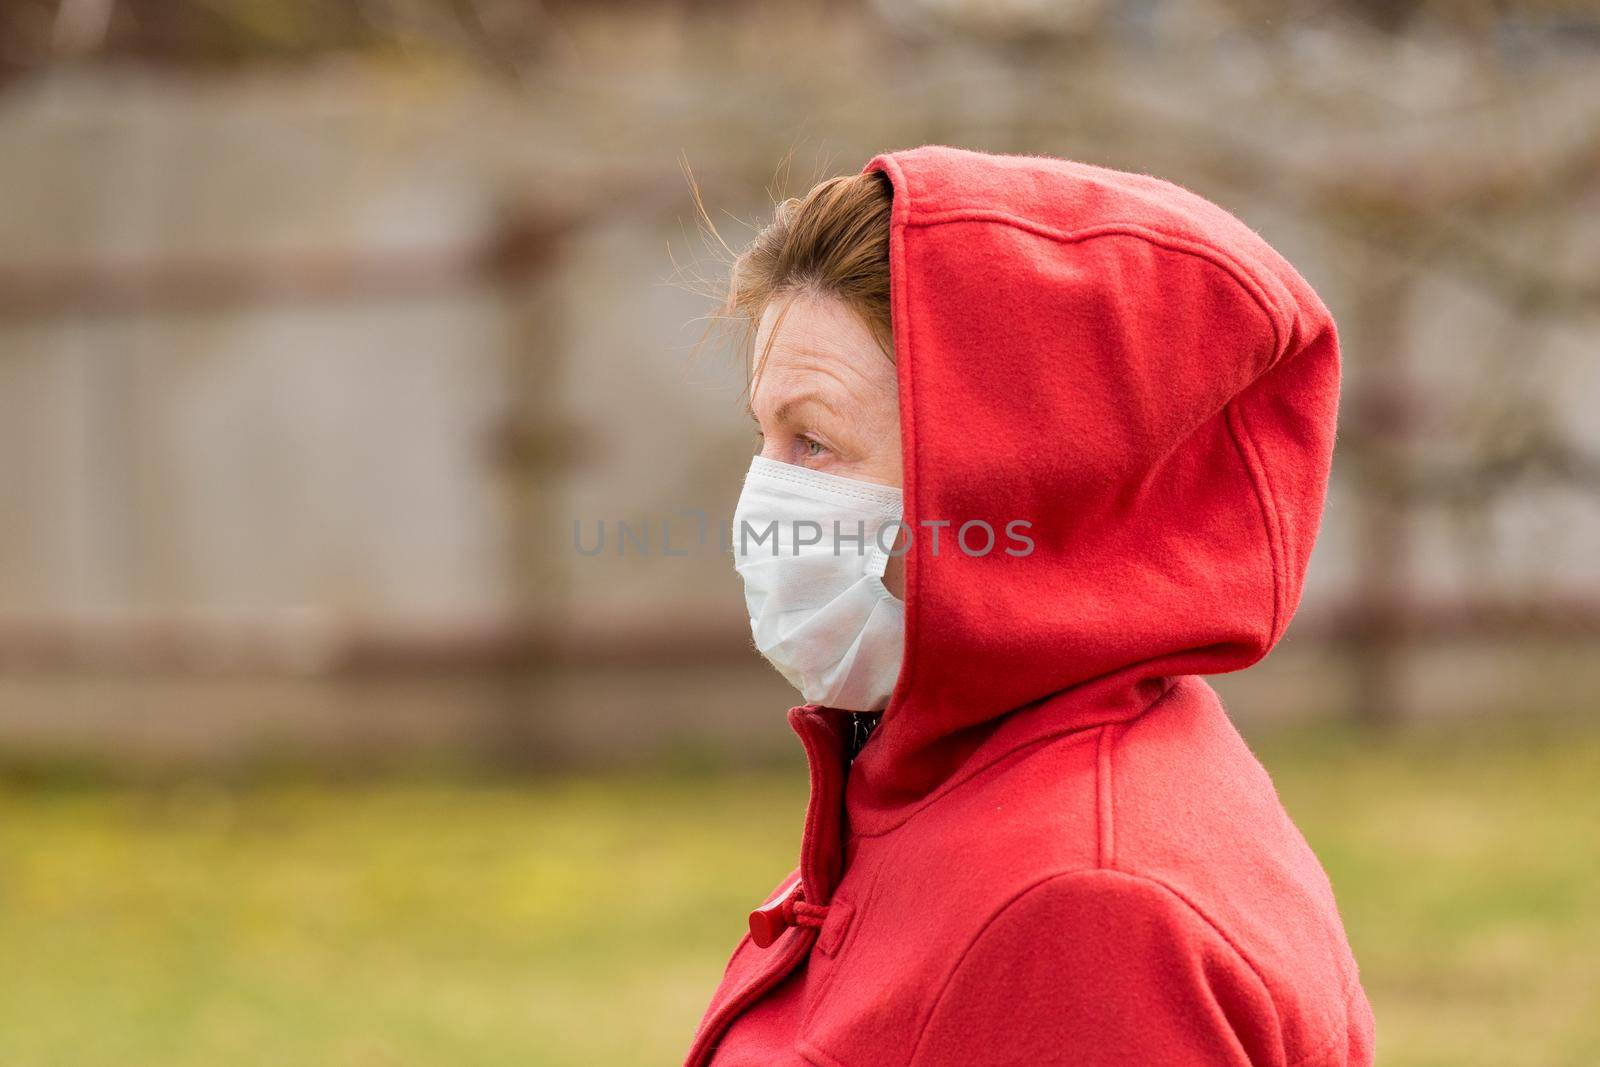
[[832, 241]]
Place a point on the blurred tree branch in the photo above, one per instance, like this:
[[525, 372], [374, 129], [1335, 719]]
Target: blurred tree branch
[[497, 35]]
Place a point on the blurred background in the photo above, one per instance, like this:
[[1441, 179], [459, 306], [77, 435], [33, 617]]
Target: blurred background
[[331, 333]]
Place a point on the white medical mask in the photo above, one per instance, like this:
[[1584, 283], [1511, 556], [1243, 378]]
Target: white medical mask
[[808, 547]]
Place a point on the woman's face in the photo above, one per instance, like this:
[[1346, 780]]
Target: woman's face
[[827, 398]]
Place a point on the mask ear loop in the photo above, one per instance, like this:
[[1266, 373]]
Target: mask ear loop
[[877, 558]]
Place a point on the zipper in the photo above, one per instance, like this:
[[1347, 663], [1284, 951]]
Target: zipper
[[862, 723]]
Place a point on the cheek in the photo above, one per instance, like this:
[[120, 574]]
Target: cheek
[[893, 462], [881, 460], [874, 444], [882, 467], [888, 452]]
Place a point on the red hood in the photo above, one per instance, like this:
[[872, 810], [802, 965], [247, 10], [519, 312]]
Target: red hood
[[1136, 373]]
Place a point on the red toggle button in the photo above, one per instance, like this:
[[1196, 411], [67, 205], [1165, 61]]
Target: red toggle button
[[768, 922]]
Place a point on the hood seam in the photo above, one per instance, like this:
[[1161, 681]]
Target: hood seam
[[1261, 488], [1244, 277]]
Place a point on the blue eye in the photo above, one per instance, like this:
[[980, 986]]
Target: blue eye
[[813, 446]]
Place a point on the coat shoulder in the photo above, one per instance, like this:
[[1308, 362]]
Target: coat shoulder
[[1111, 966], [1188, 807], [1164, 836]]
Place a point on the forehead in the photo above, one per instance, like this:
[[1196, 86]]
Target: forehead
[[819, 340]]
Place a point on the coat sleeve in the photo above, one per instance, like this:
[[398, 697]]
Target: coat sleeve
[[1098, 968]]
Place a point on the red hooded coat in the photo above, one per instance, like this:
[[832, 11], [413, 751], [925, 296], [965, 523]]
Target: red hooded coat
[[1056, 849]]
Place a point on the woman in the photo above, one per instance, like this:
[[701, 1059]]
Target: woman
[[1052, 847]]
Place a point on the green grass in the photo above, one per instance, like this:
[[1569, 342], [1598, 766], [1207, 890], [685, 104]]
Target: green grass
[[584, 921], [1468, 873]]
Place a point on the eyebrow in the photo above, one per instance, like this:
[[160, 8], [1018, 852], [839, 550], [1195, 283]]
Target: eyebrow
[[785, 410]]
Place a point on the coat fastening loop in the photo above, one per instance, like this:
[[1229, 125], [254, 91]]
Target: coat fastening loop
[[768, 922]]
